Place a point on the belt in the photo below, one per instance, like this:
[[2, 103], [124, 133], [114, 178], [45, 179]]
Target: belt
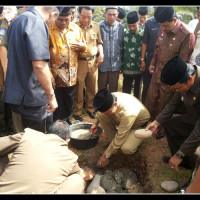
[[88, 58]]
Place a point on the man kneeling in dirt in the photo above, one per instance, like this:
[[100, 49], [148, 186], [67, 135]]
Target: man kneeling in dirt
[[120, 114], [182, 132], [41, 163]]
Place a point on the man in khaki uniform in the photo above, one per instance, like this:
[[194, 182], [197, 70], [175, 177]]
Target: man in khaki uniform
[[88, 63], [120, 114], [41, 163], [173, 39], [8, 14]]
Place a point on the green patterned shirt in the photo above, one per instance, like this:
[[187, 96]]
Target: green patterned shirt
[[132, 52]]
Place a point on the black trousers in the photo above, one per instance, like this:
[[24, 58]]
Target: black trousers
[[127, 84], [65, 99], [146, 78], [177, 129], [6, 124], [34, 117]]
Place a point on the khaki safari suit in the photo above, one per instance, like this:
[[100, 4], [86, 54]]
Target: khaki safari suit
[[41, 163], [5, 111], [120, 127], [183, 132], [180, 41], [87, 70]]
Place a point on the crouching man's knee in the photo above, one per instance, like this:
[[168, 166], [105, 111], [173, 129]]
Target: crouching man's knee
[[130, 146], [127, 151]]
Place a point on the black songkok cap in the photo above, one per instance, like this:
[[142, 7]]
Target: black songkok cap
[[103, 100], [1, 9], [176, 70], [122, 13], [64, 11], [164, 14], [143, 11], [132, 17]]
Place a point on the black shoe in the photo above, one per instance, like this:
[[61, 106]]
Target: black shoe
[[187, 165], [78, 117], [91, 114], [160, 135], [166, 159]]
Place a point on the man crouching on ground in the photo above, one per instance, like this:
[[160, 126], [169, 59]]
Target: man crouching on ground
[[120, 115]]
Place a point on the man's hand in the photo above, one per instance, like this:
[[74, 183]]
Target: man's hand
[[174, 162], [53, 82], [77, 47], [93, 127], [103, 161], [142, 65], [99, 60], [52, 104], [88, 175], [151, 69], [153, 127]]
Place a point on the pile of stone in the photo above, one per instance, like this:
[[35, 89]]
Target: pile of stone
[[117, 181]]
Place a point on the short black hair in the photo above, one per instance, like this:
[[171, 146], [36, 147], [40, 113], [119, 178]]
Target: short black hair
[[60, 128], [87, 8], [1, 9]]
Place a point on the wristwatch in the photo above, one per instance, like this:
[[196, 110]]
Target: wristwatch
[[106, 157], [142, 59], [179, 155]]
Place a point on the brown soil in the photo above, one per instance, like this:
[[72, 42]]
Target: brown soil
[[146, 162]]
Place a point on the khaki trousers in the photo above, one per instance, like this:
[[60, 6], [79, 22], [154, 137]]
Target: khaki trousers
[[109, 125], [86, 77]]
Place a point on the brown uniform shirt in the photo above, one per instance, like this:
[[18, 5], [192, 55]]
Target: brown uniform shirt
[[191, 100], [40, 163], [3, 42], [180, 41], [92, 36]]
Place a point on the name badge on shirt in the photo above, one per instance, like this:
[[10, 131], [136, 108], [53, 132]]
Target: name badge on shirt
[[160, 38], [3, 31]]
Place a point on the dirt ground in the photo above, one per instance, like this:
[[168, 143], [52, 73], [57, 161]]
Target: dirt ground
[[146, 162]]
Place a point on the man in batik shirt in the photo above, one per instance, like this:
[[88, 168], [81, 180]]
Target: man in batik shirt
[[131, 55], [66, 43]]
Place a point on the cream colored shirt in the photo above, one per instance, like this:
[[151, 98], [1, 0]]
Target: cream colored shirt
[[40, 163], [130, 114]]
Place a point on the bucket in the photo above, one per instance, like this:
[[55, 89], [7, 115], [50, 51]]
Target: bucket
[[83, 144]]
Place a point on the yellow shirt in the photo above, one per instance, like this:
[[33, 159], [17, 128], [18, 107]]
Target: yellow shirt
[[62, 58]]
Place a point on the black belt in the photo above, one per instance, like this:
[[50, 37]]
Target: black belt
[[88, 58]]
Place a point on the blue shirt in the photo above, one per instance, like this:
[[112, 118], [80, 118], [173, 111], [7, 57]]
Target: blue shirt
[[112, 36], [150, 37], [27, 41]]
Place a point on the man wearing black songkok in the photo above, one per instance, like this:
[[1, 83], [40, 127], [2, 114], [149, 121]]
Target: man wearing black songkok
[[119, 114], [121, 15], [143, 14], [182, 131], [173, 39]]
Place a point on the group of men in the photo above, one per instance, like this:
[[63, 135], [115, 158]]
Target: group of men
[[48, 70]]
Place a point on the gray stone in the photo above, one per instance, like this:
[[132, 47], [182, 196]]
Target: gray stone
[[169, 186]]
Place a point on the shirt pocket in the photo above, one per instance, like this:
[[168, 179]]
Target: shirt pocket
[[94, 38]]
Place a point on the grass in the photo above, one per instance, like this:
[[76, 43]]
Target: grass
[[166, 174]]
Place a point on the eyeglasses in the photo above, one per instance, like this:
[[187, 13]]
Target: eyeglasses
[[86, 17]]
